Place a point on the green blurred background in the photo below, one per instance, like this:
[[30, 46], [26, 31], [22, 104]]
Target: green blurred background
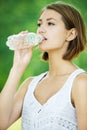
[[19, 15]]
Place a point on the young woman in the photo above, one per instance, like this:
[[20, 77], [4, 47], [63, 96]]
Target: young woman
[[56, 99]]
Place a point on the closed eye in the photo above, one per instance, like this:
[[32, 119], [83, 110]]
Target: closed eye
[[38, 24], [48, 23], [51, 23]]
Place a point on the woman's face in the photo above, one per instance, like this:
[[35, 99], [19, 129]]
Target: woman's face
[[52, 28]]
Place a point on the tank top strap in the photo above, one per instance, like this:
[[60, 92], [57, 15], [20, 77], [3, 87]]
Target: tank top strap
[[74, 75], [35, 81], [69, 82]]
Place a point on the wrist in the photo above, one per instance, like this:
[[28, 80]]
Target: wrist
[[17, 71]]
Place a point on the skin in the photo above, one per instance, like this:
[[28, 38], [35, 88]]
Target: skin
[[51, 26]]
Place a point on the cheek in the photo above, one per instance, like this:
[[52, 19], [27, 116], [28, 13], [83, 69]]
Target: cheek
[[52, 43], [59, 37], [56, 39]]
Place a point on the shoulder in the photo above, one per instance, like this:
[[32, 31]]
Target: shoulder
[[24, 86], [81, 81], [79, 94], [79, 89], [23, 89]]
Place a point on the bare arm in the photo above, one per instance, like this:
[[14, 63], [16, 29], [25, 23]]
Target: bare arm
[[7, 96], [80, 101], [18, 102]]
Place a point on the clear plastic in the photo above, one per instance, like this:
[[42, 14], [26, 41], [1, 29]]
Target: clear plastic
[[19, 41], [33, 38]]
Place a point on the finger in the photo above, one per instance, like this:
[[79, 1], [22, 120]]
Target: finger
[[24, 32], [26, 46]]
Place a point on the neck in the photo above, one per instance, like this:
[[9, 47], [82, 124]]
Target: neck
[[59, 66]]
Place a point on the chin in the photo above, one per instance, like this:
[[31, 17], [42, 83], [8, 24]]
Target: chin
[[42, 49]]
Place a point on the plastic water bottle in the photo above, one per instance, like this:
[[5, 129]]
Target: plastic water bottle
[[33, 38], [18, 41]]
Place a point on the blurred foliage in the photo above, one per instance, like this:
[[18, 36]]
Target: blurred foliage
[[19, 15]]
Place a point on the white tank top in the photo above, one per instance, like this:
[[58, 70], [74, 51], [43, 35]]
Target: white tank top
[[56, 114]]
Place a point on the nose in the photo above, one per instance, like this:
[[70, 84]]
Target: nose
[[41, 30]]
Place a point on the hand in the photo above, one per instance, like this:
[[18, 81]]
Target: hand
[[22, 57], [23, 53]]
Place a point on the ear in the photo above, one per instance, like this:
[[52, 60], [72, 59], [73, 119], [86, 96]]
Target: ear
[[71, 34]]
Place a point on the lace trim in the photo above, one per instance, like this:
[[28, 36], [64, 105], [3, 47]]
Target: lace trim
[[53, 122], [56, 121]]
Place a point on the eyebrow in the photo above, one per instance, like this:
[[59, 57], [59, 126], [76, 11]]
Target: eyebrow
[[48, 19]]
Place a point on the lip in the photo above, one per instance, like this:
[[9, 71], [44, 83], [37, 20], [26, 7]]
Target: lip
[[44, 38]]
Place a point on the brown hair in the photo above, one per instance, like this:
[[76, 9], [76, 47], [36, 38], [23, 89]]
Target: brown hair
[[72, 19]]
